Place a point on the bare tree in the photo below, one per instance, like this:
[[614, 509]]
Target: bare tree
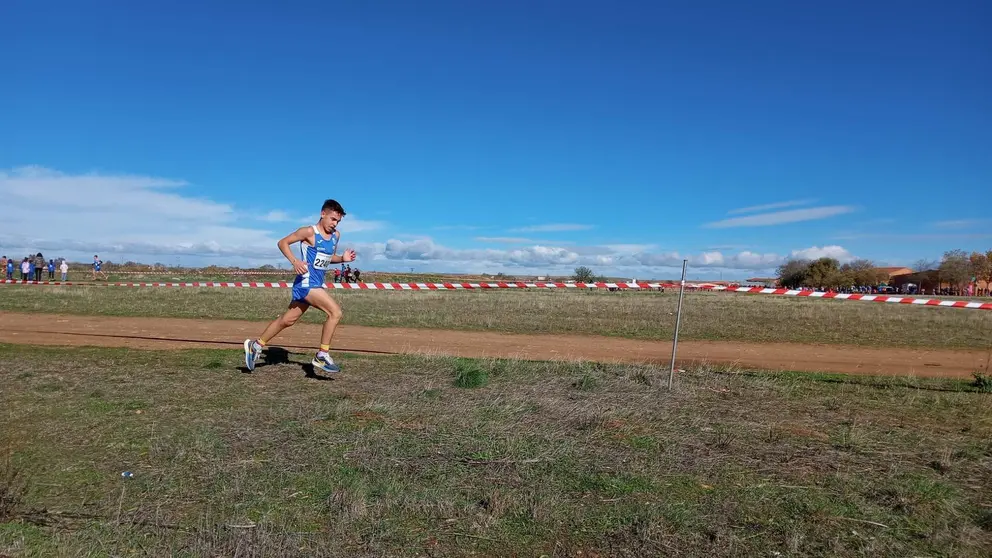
[[793, 273], [925, 265], [583, 274]]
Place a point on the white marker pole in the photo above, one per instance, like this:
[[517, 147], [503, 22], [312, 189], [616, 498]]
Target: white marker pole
[[678, 323]]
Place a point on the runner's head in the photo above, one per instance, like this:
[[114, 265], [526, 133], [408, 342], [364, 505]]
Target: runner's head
[[331, 214]]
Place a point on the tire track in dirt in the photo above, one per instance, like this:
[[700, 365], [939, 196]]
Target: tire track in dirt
[[177, 333]]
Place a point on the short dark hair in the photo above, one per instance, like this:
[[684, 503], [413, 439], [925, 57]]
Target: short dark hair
[[332, 205]]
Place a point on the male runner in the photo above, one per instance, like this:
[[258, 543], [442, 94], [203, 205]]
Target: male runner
[[318, 252]]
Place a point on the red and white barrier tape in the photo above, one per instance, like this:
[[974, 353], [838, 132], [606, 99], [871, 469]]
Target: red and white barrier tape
[[539, 285], [285, 273], [362, 286]]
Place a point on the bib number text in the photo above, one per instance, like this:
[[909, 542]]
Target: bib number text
[[322, 261]]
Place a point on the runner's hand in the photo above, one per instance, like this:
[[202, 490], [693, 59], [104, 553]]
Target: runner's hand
[[349, 256], [300, 266]]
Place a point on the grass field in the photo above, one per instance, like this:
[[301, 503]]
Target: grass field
[[432, 456], [648, 315], [82, 275], [406, 456]]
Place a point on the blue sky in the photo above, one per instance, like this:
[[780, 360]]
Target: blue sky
[[524, 137]]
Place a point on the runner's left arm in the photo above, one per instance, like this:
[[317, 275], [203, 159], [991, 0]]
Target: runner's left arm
[[348, 256]]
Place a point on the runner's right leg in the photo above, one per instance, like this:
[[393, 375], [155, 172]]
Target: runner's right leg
[[253, 348]]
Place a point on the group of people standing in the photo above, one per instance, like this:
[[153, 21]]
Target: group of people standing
[[32, 267], [347, 275]]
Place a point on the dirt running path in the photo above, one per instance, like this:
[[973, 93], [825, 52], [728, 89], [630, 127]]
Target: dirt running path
[[172, 333]]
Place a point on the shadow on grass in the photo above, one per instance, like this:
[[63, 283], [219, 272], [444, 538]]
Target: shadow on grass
[[310, 372], [274, 356]]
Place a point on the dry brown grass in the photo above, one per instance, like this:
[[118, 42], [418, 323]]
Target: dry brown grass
[[393, 458], [708, 316]]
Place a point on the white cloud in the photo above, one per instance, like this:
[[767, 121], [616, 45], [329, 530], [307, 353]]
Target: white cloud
[[155, 219], [782, 217], [354, 225], [905, 237], [815, 252], [456, 228], [708, 259], [543, 255], [277, 216], [724, 247], [350, 223], [717, 260], [425, 250], [630, 248], [769, 206], [960, 224], [553, 227], [505, 239], [755, 260], [878, 221], [425, 253], [132, 216]]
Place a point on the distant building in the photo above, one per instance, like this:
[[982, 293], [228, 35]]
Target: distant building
[[768, 282], [894, 272], [929, 281]]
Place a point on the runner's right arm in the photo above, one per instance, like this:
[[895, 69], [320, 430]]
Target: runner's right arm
[[299, 235]]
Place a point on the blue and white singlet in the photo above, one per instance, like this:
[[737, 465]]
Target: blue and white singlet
[[318, 259]]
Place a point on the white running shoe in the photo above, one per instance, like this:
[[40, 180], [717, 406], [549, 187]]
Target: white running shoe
[[252, 353], [325, 362]]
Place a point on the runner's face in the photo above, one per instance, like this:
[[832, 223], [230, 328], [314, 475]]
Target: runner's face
[[329, 220]]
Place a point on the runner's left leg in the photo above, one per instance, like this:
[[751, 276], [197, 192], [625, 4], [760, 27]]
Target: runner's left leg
[[253, 348]]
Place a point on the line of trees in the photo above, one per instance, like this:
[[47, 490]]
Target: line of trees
[[829, 274], [957, 269]]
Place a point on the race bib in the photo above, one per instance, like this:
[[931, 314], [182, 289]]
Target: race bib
[[322, 261]]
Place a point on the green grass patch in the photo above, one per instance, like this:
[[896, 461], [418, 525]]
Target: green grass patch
[[390, 459], [470, 374], [982, 382], [586, 382]]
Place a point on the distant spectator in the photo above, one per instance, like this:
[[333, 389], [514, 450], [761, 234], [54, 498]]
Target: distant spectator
[[51, 270], [3, 263], [25, 269], [358, 275], [10, 269], [39, 265], [64, 268]]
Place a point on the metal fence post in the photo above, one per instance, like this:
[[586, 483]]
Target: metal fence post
[[678, 323]]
